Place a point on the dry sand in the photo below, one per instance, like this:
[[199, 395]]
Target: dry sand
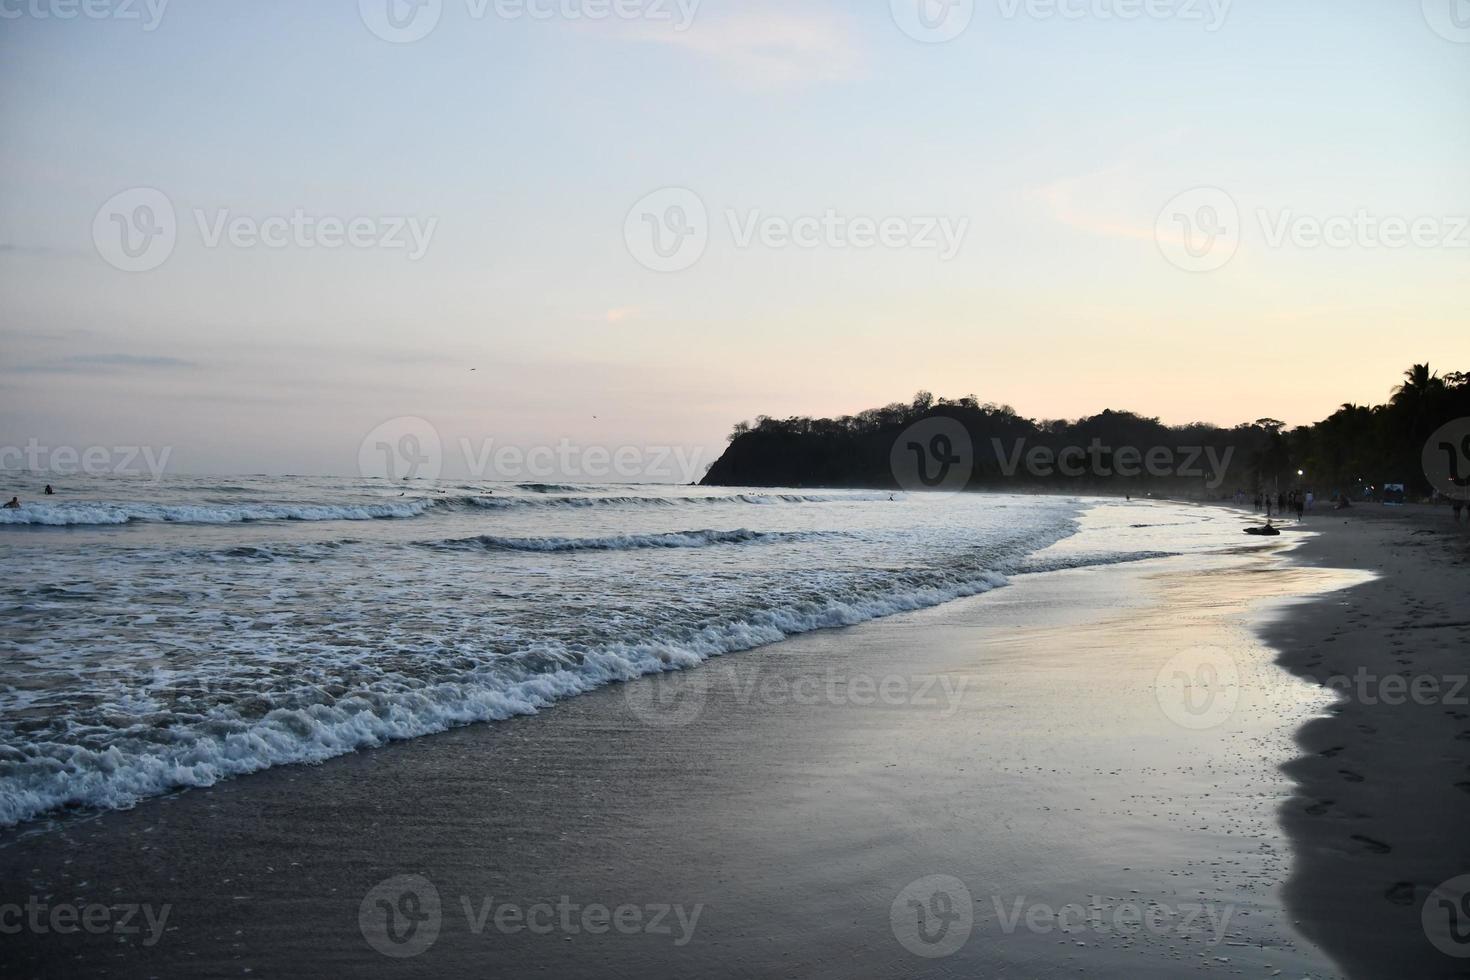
[[1018, 781]]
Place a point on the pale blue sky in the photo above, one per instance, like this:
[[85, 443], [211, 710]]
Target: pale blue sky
[[1059, 141]]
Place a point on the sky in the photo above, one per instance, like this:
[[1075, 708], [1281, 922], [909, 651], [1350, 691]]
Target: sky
[[256, 234]]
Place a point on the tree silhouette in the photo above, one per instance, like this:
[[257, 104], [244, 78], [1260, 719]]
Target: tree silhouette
[[1355, 448]]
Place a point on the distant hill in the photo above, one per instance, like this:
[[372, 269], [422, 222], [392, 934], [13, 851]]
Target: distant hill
[[963, 444]]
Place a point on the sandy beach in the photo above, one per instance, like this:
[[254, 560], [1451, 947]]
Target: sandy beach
[[1078, 774], [654, 488], [1378, 821]]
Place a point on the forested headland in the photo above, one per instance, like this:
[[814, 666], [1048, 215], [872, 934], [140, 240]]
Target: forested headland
[[1354, 451]]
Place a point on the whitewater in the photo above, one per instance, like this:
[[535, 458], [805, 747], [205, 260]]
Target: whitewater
[[166, 635]]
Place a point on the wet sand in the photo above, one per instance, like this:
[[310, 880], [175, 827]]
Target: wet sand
[[1010, 785]]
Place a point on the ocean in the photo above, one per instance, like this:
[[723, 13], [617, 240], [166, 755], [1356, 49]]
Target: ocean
[[170, 634]]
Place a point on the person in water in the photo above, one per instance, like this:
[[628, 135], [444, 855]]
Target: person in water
[[49, 491], [13, 504]]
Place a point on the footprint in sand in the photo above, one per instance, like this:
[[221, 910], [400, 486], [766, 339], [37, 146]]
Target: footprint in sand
[[1350, 776], [1320, 807], [1374, 846], [1400, 893]]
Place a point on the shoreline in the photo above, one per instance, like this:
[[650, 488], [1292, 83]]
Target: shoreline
[[1027, 759], [1383, 779]]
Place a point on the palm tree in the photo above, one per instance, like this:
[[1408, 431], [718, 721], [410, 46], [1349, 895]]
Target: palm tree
[[1418, 382], [1417, 403]]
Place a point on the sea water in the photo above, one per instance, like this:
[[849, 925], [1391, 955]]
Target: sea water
[[163, 634]]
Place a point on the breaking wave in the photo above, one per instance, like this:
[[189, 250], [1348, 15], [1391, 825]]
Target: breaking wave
[[103, 514], [148, 758], [622, 542]]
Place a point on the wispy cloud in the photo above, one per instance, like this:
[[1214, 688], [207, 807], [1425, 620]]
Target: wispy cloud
[[1116, 201], [103, 363], [10, 248], [1082, 203], [619, 314], [765, 47]]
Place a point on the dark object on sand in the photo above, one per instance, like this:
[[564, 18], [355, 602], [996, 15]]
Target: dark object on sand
[[1265, 530]]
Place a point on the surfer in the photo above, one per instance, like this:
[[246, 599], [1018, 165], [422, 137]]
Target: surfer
[[50, 492], [13, 504]]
